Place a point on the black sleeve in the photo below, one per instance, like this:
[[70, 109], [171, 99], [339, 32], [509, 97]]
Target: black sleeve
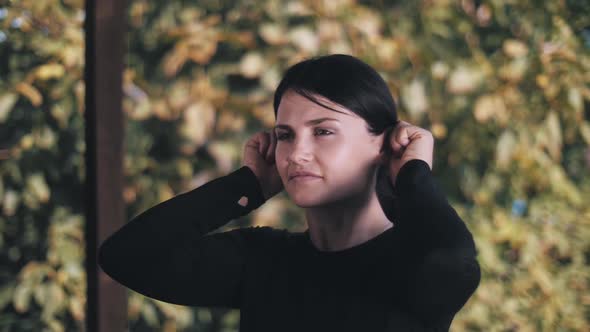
[[443, 271], [165, 252]]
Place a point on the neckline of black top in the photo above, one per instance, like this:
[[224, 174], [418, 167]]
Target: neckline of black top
[[361, 247]]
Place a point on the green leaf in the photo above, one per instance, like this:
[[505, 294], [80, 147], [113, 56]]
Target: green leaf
[[22, 297], [7, 101], [6, 294], [149, 313]]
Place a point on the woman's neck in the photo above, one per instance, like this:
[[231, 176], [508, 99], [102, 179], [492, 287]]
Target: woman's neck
[[337, 228]]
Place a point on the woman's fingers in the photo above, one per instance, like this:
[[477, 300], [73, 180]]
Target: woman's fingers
[[402, 134], [399, 139], [263, 140], [395, 146], [270, 147], [259, 141]]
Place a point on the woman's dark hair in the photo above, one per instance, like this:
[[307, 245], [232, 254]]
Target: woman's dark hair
[[353, 84]]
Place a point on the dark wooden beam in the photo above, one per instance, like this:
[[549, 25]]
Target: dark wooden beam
[[106, 309]]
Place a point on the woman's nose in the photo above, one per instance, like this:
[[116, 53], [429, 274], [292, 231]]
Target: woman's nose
[[301, 151]]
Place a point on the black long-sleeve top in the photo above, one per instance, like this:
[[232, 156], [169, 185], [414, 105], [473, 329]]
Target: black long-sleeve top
[[414, 276]]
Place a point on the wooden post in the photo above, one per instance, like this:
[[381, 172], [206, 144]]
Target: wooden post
[[106, 309]]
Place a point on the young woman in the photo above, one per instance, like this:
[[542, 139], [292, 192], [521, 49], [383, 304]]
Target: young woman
[[383, 250]]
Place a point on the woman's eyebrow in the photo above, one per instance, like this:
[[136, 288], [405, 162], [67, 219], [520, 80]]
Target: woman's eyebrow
[[307, 123]]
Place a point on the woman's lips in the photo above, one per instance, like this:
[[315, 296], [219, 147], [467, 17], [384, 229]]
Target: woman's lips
[[304, 178]]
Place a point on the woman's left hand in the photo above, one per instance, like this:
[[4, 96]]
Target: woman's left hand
[[409, 142]]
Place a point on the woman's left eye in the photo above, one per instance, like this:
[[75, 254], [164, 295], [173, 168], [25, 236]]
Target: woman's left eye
[[281, 137]]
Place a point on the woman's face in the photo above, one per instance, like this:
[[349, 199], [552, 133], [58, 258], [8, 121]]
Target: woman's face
[[341, 152]]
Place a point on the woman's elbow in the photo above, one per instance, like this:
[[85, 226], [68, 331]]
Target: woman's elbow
[[107, 258]]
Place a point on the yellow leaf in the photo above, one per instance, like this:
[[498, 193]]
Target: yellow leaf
[[297, 8], [273, 33], [162, 111], [542, 80], [55, 325], [304, 39], [488, 106], [51, 70], [184, 168], [198, 122], [6, 292], [342, 47], [514, 48], [464, 79], [232, 318], [169, 326], [26, 142], [175, 59], [38, 187], [414, 98], [224, 154], [542, 278], [388, 52], [135, 305], [204, 315], [138, 111], [54, 297], [269, 214], [148, 312], [504, 149], [368, 22], [165, 192], [178, 96], [554, 139], [72, 56], [30, 92], [585, 131], [574, 98], [252, 64], [264, 113], [40, 294], [270, 78], [439, 70], [10, 202], [203, 46], [44, 137], [181, 315], [7, 101], [514, 70], [439, 130], [61, 114], [22, 297], [329, 30]]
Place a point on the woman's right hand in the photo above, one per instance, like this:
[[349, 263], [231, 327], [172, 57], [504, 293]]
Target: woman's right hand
[[259, 156]]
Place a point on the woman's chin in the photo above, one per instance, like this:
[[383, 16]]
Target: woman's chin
[[303, 200], [305, 205]]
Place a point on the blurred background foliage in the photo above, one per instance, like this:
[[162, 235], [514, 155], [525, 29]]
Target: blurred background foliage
[[503, 85]]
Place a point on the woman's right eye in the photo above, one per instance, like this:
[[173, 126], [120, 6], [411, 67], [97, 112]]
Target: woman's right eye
[[281, 137]]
